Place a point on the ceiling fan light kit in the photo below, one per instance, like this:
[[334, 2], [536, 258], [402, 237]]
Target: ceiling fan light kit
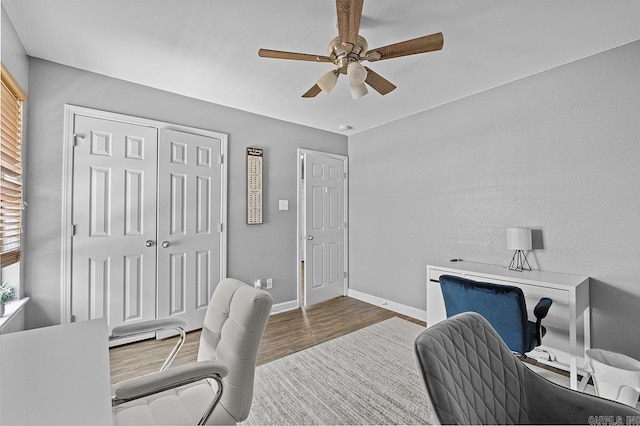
[[328, 81], [348, 50], [357, 75], [358, 90]]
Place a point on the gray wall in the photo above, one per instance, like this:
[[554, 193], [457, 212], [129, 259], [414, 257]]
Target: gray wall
[[558, 151], [256, 251], [14, 57]]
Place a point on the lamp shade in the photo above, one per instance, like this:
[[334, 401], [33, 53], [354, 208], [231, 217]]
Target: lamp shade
[[519, 239], [327, 82], [358, 90], [357, 73]]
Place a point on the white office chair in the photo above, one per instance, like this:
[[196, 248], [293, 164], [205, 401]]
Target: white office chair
[[218, 388]]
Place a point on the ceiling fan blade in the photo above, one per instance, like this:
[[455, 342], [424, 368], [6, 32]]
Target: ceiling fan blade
[[313, 92], [378, 83], [279, 54], [423, 44], [349, 14]]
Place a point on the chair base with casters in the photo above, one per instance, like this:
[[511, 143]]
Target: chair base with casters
[[502, 305], [472, 377], [218, 388]]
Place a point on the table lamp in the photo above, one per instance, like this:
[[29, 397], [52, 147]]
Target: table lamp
[[519, 239]]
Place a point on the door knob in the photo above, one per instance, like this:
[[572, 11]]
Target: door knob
[[165, 244], [309, 237], [149, 243]]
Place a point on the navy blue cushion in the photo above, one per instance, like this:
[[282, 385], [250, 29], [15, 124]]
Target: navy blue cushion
[[533, 338], [502, 305]]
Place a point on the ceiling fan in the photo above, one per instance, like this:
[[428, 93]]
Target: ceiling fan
[[348, 50]]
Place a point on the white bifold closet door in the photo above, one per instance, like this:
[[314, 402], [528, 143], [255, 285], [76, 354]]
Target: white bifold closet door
[[146, 206], [188, 233]]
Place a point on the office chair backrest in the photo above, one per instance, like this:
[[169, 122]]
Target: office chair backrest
[[503, 306], [233, 327], [473, 378], [470, 375]]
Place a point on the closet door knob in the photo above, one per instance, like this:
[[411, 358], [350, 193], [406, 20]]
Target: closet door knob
[[149, 243], [165, 244]]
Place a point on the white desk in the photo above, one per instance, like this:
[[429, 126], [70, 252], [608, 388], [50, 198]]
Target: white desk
[[567, 338], [56, 376]]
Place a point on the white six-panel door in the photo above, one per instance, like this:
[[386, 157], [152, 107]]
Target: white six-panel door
[[324, 227], [188, 229], [147, 215], [114, 216]]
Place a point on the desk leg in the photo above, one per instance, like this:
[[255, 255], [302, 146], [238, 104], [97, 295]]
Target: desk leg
[[585, 380], [573, 344], [586, 332]]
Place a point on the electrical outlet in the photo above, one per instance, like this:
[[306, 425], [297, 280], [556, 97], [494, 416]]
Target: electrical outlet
[[257, 283], [269, 283]]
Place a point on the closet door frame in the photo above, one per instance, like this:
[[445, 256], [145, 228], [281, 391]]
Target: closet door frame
[[69, 140]]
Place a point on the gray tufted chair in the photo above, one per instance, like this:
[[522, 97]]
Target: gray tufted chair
[[472, 377], [221, 381]]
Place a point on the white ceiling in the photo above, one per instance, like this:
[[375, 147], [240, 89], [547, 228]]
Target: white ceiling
[[207, 49]]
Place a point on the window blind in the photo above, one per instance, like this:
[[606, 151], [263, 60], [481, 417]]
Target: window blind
[[11, 100]]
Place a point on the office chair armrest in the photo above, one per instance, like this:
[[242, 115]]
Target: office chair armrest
[[150, 326], [542, 308], [154, 326], [161, 381], [540, 311]]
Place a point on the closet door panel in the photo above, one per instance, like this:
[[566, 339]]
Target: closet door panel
[[189, 209], [114, 215]]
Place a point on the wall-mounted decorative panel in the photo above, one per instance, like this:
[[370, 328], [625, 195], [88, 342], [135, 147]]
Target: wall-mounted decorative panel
[[254, 186]]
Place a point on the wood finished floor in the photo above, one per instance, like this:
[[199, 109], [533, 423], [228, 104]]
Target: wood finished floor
[[286, 333]]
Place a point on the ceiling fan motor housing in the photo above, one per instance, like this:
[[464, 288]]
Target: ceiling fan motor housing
[[341, 58]]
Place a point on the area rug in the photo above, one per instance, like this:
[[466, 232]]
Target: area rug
[[369, 376]]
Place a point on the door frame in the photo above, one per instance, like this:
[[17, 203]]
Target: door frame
[[301, 211], [70, 112]]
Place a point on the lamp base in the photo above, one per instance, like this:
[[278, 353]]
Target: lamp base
[[518, 262]]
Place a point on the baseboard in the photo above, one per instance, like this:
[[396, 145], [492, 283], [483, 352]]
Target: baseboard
[[390, 305], [374, 300], [284, 306]]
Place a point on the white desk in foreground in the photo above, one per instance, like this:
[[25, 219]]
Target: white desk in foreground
[[56, 375], [567, 337]]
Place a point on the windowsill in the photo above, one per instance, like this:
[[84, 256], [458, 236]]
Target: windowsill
[[12, 309]]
